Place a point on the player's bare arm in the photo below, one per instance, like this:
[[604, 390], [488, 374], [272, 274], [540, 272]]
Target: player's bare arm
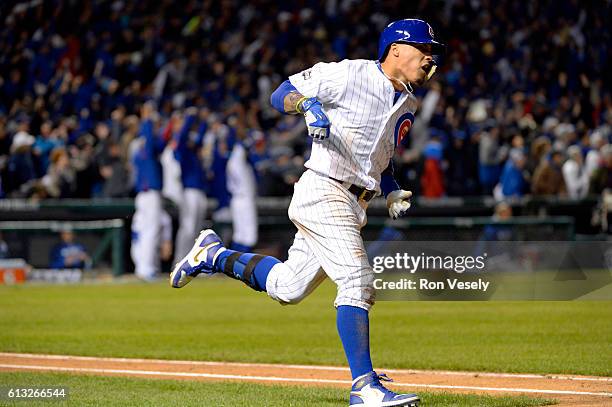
[[291, 102]]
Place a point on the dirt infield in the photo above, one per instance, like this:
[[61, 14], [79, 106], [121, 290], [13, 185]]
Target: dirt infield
[[569, 390]]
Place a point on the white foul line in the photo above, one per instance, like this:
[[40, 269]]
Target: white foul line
[[289, 379], [305, 367]]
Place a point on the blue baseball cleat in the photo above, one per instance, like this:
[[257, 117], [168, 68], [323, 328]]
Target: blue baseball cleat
[[200, 259], [367, 391]]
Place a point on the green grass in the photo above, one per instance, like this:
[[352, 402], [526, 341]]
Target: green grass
[[219, 319], [121, 391]]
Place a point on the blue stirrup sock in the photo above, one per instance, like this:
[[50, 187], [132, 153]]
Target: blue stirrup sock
[[240, 247], [354, 329], [252, 269]]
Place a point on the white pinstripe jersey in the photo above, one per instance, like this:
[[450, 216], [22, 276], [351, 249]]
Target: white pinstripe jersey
[[366, 125]]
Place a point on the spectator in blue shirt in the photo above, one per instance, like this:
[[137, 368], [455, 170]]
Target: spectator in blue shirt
[[68, 254], [44, 144], [513, 181]]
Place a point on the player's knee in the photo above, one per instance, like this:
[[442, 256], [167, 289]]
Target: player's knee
[[281, 287], [287, 294], [290, 298], [358, 293], [364, 299]]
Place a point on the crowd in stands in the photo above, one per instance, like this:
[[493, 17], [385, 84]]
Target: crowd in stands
[[521, 103]]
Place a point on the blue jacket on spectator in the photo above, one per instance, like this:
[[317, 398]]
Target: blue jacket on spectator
[[512, 180]]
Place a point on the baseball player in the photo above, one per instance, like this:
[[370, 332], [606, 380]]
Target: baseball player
[[217, 149], [242, 185], [357, 112], [192, 205], [146, 221]]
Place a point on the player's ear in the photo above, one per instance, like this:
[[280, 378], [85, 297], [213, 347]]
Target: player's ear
[[395, 49]]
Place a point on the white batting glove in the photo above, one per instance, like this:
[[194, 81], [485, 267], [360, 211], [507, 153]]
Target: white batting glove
[[316, 121], [398, 202]]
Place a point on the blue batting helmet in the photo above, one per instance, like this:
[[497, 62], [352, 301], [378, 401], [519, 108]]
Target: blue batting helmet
[[408, 31]]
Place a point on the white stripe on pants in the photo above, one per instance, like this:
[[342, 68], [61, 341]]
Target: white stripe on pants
[[329, 219]]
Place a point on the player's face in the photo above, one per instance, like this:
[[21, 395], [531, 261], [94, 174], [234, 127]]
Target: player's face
[[415, 61]]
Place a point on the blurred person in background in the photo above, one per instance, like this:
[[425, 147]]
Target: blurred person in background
[[5, 137], [285, 150], [192, 205], [165, 243], [4, 249], [171, 168], [594, 156], [499, 229], [60, 180], [575, 174], [539, 150], [490, 157], [112, 169], [218, 142], [461, 175], [601, 180], [110, 162], [514, 179], [46, 142], [146, 223], [242, 185], [68, 254], [20, 168], [548, 178], [432, 179]]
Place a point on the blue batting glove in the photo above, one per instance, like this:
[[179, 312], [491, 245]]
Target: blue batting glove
[[316, 121]]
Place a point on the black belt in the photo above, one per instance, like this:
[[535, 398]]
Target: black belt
[[359, 192]]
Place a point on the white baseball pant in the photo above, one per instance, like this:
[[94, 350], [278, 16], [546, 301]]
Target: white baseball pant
[[242, 184], [146, 226], [192, 211], [328, 243]]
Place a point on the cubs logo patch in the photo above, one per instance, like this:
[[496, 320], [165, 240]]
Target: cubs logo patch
[[306, 74], [404, 123]]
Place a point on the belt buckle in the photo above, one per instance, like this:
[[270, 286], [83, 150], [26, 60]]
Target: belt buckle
[[363, 194]]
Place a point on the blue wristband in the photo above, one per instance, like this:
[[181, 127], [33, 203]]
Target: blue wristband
[[277, 99]]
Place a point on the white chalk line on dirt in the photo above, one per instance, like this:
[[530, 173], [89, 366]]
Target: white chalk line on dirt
[[305, 367], [289, 379]]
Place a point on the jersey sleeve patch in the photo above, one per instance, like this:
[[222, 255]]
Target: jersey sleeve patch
[[402, 127]]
